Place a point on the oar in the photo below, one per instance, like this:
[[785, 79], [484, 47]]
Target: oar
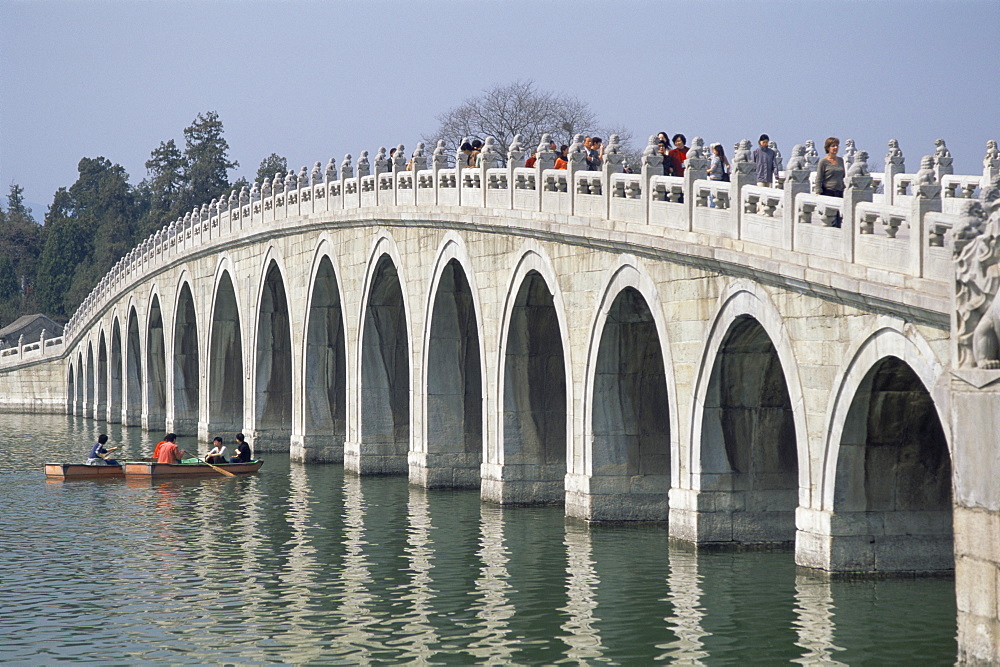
[[218, 469]]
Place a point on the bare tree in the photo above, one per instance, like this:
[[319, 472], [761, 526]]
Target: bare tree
[[516, 108]]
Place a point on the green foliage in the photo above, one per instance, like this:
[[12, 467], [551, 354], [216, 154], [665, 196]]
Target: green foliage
[[163, 190], [9, 287], [66, 247], [206, 157], [20, 245], [270, 166], [101, 217]]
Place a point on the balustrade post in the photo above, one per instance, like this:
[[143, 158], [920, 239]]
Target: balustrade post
[[926, 199], [796, 183], [515, 158], [743, 173], [613, 160], [546, 159], [461, 162], [439, 161], [397, 163], [894, 164], [859, 189], [576, 161], [489, 158], [991, 165], [696, 169], [652, 165]]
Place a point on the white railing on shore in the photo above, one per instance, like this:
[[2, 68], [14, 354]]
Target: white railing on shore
[[878, 234]]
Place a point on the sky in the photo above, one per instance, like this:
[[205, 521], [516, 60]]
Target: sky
[[314, 80]]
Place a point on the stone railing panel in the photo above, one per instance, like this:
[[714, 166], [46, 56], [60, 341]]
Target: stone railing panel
[[627, 204], [763, 220], [666, 204], [555, 191], [883, 236], [817, 230]]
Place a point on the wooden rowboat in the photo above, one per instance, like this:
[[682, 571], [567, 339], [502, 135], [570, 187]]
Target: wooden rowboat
[[69, 471], [153, 470]]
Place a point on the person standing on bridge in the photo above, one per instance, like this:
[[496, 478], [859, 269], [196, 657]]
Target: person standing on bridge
[[830, 171], [765, 162], [678, 155]]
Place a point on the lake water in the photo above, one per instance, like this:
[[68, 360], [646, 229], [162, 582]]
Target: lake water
[[304, 564]]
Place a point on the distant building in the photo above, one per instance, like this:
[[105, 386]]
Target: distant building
[[29, 326]]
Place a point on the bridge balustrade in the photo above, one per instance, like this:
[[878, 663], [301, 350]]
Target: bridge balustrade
[[888, 232]]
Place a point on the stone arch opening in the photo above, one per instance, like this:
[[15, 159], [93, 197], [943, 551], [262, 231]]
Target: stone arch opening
[[893, 477], [225, 375], [630, 422], [156, 370], [385, 376], [133, 371], [91, 398], [81, 387], [748, 444], [534, 395], [325, 388], [187, 372], [274, 362], [70, 390], [101, 404], [115, 383], [454, 385]]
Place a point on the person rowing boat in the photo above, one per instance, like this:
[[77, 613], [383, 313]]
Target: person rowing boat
[[99, 455]]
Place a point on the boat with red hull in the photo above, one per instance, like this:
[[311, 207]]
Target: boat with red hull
[[70, 471], [154, 470]]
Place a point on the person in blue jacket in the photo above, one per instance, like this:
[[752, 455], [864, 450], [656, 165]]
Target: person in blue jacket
[[99, 455]]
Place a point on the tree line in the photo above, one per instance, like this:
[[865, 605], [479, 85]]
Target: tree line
[[50, 268]]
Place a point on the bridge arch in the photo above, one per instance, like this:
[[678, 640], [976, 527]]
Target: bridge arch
[[89, 399], [226, 408], [101, 402], [186, 360], [749, 439], [528, 462], [384, 366], [155, 389], [81, 385], [324, 359], [887, 467], [273, 386], [629, 417], [133, 369], [453, 373], [70, 388], [115, 378]]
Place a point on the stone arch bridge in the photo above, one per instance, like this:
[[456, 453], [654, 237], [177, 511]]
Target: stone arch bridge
[[755, 365]]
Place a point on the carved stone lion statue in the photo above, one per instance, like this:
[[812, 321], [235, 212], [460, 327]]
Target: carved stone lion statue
[[798, 161], [977, 265], [860, 165]]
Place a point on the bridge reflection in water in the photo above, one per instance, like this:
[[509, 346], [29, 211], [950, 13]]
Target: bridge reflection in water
[[303, 563]]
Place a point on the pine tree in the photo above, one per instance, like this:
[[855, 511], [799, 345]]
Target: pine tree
[[207, 164], [163, 190], [270, 166]]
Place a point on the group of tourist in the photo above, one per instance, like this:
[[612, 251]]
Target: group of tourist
[[830, 170], [167, 451]]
